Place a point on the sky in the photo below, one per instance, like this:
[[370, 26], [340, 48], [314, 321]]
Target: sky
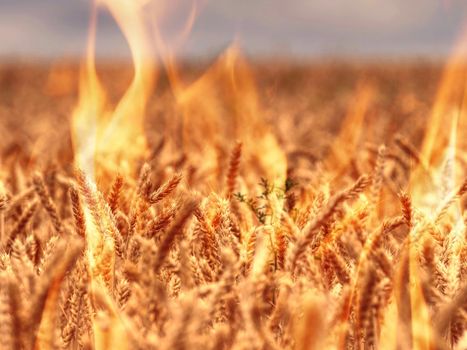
[[286, 28]]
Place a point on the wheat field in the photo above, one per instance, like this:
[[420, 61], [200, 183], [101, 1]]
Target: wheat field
[[293, 207]]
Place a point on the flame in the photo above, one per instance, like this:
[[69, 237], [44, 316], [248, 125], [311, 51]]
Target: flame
[[222, 105], [444, 134], [90, 108], [450, 99], [106, 138]]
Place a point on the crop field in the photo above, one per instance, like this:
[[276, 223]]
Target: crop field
[[238, 205]]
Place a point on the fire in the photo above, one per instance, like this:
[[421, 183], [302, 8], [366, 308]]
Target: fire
[[107, 138], [444, 134], [449, 104], [222, 105], [90, 109]]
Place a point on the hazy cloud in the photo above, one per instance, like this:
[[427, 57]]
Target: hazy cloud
[[51, 28]]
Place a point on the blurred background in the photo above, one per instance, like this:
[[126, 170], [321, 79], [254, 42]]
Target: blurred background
[[314, 64], [273, 28]]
